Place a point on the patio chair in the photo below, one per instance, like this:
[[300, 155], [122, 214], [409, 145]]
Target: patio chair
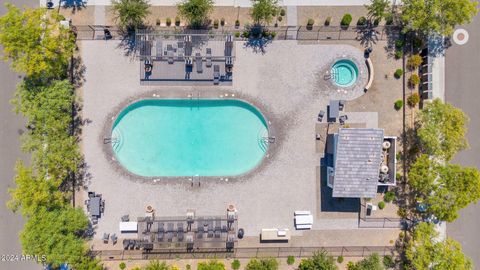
[[198, 62], [161, 232], [86, 202], [200, 231], [91, 194], [126, 244], [94, 220], [125, 218], [209, 57], [342, 119], [170, 57], [341, 104], [320, 116], [106, 236], [114, 238], [216, 74]]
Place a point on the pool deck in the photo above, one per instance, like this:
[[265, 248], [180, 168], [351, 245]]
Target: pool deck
[[288, 86]]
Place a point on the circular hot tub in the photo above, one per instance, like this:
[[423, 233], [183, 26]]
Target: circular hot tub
[[344, 73]]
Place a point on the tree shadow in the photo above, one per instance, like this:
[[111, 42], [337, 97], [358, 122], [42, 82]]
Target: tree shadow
[[129, 44], [75, 5], [367, 35], [78, 72], [258, 45]]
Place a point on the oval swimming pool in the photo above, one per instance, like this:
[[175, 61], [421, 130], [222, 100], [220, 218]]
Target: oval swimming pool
[[345, 72], [183, 137]]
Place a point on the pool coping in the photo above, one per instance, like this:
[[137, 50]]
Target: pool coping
[[210, 94], [362, 76]]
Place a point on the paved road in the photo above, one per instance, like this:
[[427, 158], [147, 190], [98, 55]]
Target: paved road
[[462, 90], [10, 124]]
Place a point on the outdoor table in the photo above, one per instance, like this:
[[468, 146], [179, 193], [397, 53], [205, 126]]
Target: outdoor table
[[333, 109], [95, 206]]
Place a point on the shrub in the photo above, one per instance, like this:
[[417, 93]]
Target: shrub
[[211, 265], [340, 259], [236, 264], [417, 43], [282, 12], [262, 264], [376, 22], [122, 265], [280, 18], [273, 34], [389, 19], [398, 104], [328, 20], [246, 34], [290, 260], [414, 61], [346, 20], [237, 23], [310, 22], [215, 23], [398, 54], [414, 79], [413, 100], [222, 21], [399, 43], [158, 22], [188, 267], [389, 196], [398, 73], [388, 261], [362, 21], [237, 34], [177, 21], [169, 21], [381, 205], [398, 175]]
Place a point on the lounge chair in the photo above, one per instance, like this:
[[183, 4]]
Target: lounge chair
[[320, 116], [106, 236], [342, 119], [125, 218], [198, 62], [341, 104], [216, 74], [209, 57], [126, 244], [114, 238]]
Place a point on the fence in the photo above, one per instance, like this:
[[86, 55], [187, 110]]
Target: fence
[[277, 252], [360, 33]]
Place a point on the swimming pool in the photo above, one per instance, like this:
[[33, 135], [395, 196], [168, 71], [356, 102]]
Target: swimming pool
[[184, 137], [344, 73]]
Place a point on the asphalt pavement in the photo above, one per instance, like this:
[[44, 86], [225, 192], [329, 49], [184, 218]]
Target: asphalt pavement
[[463, 90], [10, 127]]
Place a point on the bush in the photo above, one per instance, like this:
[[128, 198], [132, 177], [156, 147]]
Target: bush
[[389, 196], [398, 73], [169, 21], [399, 43], [414, 80], [282, 12], [262, 264], [398, 175], [237, 34], [381, 205], [211, 265], [158, 22], [237, 23], [273, 34], [328, 20], [413, 100], [398, 54], [362, 21], [398, 104], [215, 23], [188, 267], [414, 61], [376, 22], [340, 259], [122, 266], [235, 264], [130, 14], [280, 18], [290, 260], [388, 261], [222, 21], [310, 22], [177, 21], [346, 20], [246, 34], [389, 19]]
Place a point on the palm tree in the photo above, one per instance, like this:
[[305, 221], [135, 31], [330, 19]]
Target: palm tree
[[130, 14], [195, 11]]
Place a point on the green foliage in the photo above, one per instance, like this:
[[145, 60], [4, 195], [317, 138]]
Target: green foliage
[[389, 196], [328, 20], [280, 18], [177, 21], [282, 12], [376, 22], [237, 34], [381, 205], [441, 129], [388, 261], [425, 250], [35, 42], [168, 21], [399, 43], [262, 11], [378, 9], [158, 22], [414, 61], [414, 80], [188, 267], [215, 23], [222, 21], [437, 16], [362, 21], [157, 265], [398, 104], [235, 264], [371, 262], [310, 22], [346, 20], [319, 261], [196, 12], [211, 265], [398, 54], [389, 19], [398, 73], [340, 259], [413, 99], [130, 14], [237, 23], [290, 260], [122, 266], [262, 264]]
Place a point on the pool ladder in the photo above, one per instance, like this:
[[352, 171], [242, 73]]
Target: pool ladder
[[269, 139]]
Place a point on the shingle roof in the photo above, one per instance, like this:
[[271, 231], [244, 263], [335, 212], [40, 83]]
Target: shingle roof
[[357, 162]]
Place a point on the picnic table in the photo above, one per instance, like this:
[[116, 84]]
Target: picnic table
[[94, 206], [333, 109]]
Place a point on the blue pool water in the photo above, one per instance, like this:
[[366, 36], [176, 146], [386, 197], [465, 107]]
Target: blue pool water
[[183, 137], [344, 73]]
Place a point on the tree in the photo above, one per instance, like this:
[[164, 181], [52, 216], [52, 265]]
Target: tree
[[437, 16], [371, 262], [414, 61], [235, 264], [196, 12], [445, 189], [157, 265], [57, 235], [35, 42], [211, 265], [319, 261], [130, 14], [441, 130], [263, 11], [262, 264], [378, 9], [425, 251]]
